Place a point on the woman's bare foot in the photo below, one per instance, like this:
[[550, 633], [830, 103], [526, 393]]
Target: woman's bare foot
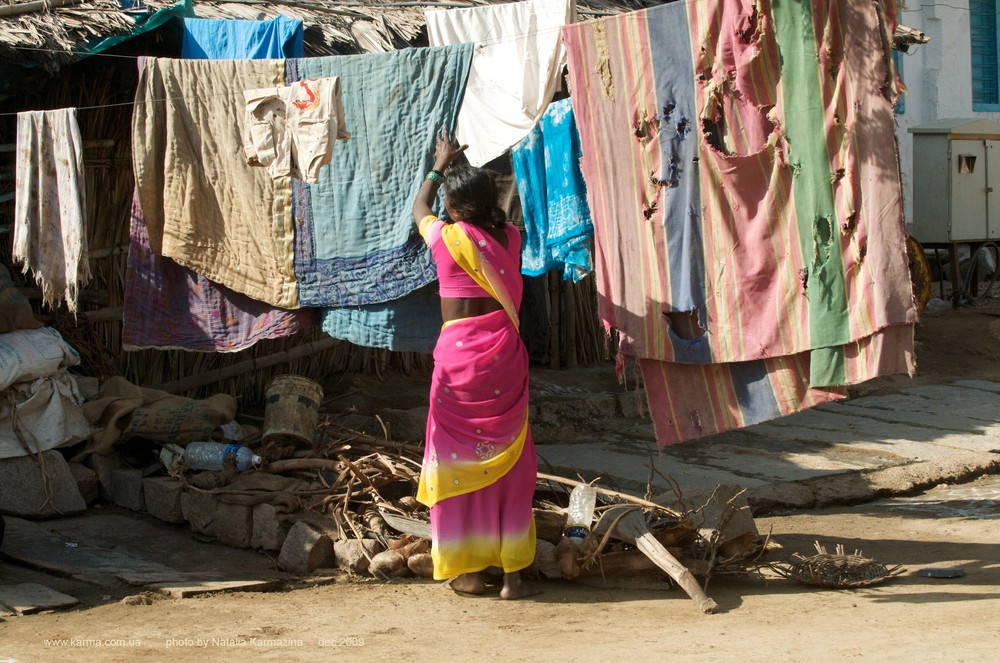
[[467, 583], [515, 588]]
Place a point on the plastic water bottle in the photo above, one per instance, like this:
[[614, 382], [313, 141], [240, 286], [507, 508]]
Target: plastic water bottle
[[212, 456], [580, 512]]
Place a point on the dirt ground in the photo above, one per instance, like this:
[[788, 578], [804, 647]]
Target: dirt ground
[[762, 617]]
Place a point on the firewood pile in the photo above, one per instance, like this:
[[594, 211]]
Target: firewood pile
[[358, 490]]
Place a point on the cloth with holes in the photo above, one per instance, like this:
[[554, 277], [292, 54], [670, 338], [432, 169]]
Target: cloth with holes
[[746, 203]]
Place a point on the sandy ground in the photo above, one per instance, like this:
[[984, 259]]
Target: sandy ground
[[762, 617]]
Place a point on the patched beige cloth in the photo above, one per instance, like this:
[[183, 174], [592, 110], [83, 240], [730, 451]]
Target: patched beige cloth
[[50, 208], [204, 206]]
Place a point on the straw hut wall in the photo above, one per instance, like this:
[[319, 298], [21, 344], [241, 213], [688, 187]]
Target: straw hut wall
[[42, 66]]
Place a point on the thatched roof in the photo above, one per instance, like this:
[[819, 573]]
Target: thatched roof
[[54, 32]]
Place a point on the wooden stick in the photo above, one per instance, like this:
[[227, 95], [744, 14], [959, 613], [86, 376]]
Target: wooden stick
[[248, 366], [555, 320], [569, 313], [631, 528], [295, 464]]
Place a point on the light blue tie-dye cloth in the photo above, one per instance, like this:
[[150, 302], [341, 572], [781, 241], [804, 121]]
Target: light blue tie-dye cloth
[[358, 244], [554, 197]]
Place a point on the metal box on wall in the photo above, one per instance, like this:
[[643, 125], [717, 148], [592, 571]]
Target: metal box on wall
[[956, 181]]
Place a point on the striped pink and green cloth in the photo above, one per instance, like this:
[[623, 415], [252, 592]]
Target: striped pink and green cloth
[[743, 176]]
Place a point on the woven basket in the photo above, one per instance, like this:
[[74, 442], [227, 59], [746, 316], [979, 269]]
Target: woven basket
[[838, 570]]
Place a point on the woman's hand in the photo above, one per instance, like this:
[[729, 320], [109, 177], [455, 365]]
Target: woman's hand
[[446, 150]]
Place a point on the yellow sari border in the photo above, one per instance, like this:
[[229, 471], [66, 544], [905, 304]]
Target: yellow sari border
[[450, 480]]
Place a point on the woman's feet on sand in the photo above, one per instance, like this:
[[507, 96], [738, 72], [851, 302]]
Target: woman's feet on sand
[[467, 583], [515, 588]]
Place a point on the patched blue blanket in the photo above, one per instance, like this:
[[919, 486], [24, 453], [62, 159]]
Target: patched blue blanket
[[355, 239]]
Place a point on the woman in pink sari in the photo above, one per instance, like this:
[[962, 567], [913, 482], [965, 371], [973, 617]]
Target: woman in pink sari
[[479, 466]]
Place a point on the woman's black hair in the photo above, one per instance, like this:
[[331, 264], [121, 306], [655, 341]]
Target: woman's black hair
[[472, 195]]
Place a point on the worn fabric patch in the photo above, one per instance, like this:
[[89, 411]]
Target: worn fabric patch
[[204, 206], [167, 306], [50, 206]]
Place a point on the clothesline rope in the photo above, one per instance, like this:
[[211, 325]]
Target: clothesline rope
[[485, 42]]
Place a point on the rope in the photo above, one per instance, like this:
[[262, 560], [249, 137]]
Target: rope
[[20, 431]]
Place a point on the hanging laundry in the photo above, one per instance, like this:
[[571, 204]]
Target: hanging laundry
[[355, 242], [553, 196], [203, 205], [50, 207], [291, 130], [746, 202], [516, 68], [167, 306], [236, 39]]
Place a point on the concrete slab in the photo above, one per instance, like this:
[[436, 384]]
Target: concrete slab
[[985, 385], [961, 397], [628, 471], [183, 590], [37, 547], [946, 421], [28, 598], [864, 428], [920, 404], [173, 577]]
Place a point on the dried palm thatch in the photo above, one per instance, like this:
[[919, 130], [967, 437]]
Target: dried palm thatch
[[50, 33], [838, 570]]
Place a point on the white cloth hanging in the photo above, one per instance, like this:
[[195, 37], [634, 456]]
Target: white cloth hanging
[[50, 235], [516, 68]]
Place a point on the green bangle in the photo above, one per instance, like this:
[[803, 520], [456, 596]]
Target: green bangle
[[435, 176]]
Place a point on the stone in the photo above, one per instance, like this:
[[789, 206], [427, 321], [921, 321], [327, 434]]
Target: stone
[[86, 482], [354, 554], [163, 498], [28, 597], [24, 493], [103, 465], [305, 549], [388, 563], [269, 531], [233, 524], [126, 489], [629, 405], [422, 565], [199, 510], [545, 559]]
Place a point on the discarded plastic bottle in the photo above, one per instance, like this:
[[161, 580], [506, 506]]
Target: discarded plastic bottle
[[212, 456], [580, 512]]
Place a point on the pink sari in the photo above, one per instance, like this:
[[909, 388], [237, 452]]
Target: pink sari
[[479, 467]]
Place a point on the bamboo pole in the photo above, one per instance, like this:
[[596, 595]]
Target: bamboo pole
[[555, 320], [569, 313], [220, 374]]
